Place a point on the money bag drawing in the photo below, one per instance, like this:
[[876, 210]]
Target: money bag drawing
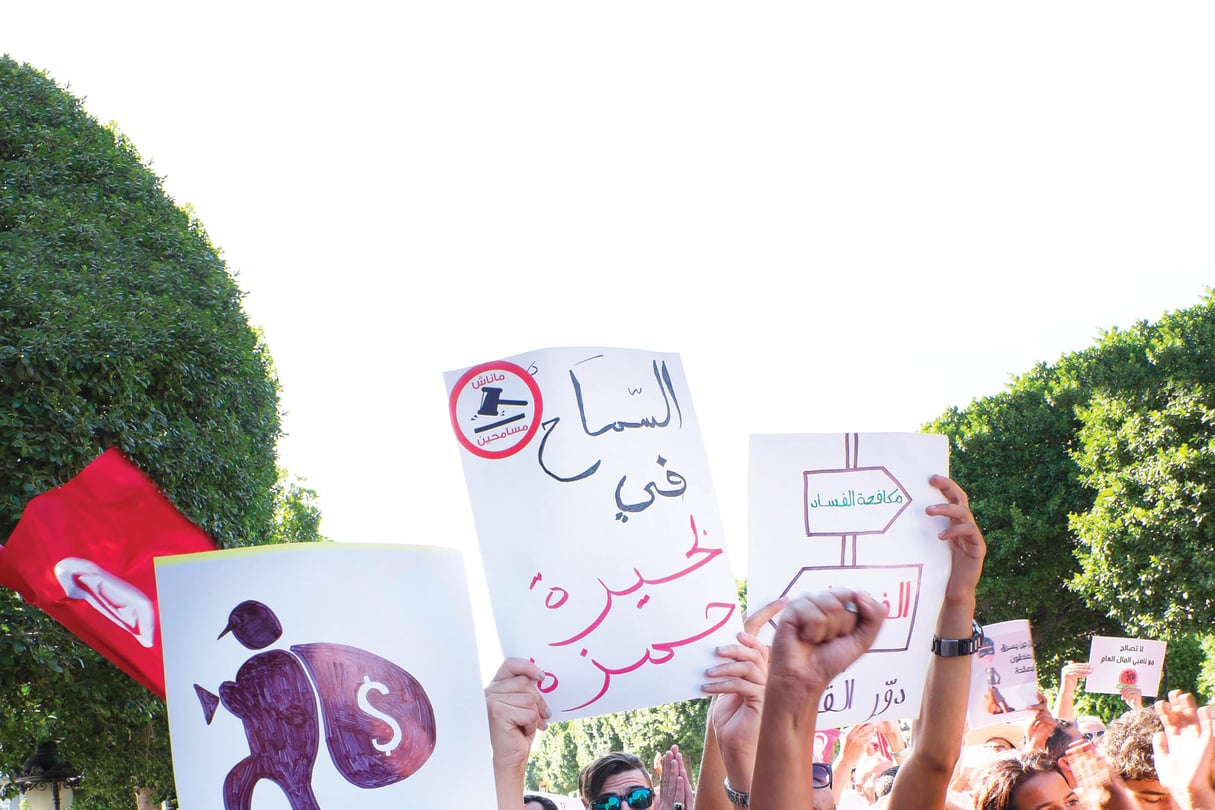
[[379, 723]]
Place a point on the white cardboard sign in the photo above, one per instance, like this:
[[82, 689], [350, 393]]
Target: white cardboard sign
[[828, 510], [597, 523], [344, 676], [1119, 662], [1003, 675]]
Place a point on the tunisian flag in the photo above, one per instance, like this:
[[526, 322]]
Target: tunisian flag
[[83, 553]]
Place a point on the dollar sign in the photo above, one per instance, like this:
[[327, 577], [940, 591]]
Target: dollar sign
[[368, 685]]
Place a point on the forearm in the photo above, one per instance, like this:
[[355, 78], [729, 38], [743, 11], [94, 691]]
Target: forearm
[[783, 779], [508, 782], [842, 768], [924, 778], [1065, 703], [710, 794]]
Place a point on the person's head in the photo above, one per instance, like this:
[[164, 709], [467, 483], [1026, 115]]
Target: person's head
[[1026, 782], [1127, 745], [533, 802], [615, 774], [866, 774], [1040, 727], [998, 737], [1066, 732], [884, 783], [1093, 728]]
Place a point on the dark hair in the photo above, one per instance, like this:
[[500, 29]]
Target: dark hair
[[885, 782], [1065, 734], [591, 780], [1127, 744], [543, 801], [999, 783]]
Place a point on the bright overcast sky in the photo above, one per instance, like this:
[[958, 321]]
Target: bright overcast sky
[[844, 216]]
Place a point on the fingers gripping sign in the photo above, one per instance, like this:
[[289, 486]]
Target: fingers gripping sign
[[516, 710], [966, 543]]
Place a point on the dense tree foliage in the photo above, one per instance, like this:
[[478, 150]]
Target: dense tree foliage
[[119, 327], [566, 747], [1093, 479]]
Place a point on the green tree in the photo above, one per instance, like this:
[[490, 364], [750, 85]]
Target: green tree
[[119, 327], [565, 748], [1011, 452], [297, 514], [1095, 473]]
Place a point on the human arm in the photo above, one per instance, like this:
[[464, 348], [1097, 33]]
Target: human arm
[[1069, 677], [819, 635], [516, 711], [732, 731], [1040, 727], [1184, 751], [889, 730], [852, 748], [923, 779]]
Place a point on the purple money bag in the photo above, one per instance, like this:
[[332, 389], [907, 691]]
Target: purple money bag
[[379, 723]]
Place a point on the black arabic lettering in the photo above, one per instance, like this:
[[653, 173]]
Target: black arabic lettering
[[663, 376], [550, 427]]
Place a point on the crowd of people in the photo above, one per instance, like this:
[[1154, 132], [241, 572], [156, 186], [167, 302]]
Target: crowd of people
[[759, 743]]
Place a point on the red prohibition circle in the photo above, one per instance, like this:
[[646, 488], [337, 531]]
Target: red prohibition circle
[[470, 375]]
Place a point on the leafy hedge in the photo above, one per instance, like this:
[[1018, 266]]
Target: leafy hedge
[[119, 326]]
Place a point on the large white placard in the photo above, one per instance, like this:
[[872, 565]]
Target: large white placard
[[1121, 662], [323, 675], [1003, 675], [847, 510], [597, 522]]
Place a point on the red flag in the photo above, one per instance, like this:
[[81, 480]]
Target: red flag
[[83, 553]]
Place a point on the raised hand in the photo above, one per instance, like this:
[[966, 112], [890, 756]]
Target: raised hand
[[739, 689], [1184, 750], [965, 540], [675, 790], [818, 636], [516, 711]]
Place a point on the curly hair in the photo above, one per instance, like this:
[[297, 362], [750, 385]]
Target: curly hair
[[1127, 744], [592, 777], [998, 784]]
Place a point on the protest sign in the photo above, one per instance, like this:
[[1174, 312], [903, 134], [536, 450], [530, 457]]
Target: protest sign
[[342, 676], [597, 523], [847, 510], [1121, 662], [1003, 676]]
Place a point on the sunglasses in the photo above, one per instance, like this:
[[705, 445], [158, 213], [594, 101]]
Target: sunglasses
[[1093, 736], [822, 775], [638, 798]]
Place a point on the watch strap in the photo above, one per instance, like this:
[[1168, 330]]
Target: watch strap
[[737, 797], [956, 647]]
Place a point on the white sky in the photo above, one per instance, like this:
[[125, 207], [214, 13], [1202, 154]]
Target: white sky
[[844, 216]]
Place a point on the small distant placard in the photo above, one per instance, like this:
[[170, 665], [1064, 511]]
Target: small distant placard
[[1003, 676], [1121, 662]]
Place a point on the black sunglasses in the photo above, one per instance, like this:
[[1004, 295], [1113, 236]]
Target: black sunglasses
[[638, 798], [1092, 736], [822, 775]]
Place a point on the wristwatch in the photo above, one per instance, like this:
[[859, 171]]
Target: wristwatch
[[737, 798], [955, 647]]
